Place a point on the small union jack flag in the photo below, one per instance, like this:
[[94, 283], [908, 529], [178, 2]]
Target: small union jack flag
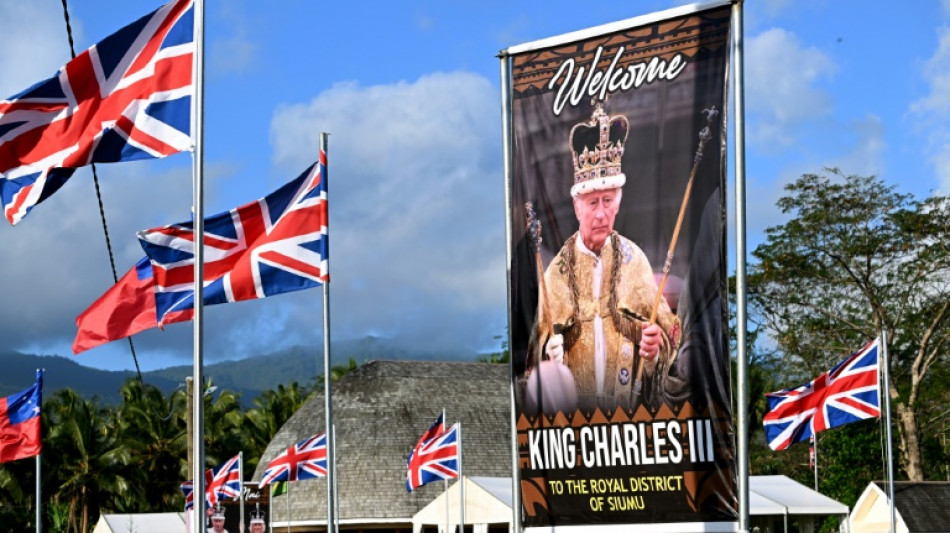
[[847, 393], [435, 457], [221, 482], [127, 97], [275, 245], [305, 460]]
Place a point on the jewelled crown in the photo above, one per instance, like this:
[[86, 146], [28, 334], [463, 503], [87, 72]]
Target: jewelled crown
[[217, 511], [596, 150], [257, 516]]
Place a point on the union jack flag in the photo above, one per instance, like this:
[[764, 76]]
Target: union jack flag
[[305, 460], [433, 458], [271, 246], [847, 393], [221, 482], [127, 97]]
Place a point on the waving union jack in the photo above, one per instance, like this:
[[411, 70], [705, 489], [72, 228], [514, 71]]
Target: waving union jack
[[127, 97], [434, 458], [847, 393], [275, 245], [305, 460], [221, 482]]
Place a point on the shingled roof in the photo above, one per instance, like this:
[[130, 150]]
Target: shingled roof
[[923, 505], [379, 411]]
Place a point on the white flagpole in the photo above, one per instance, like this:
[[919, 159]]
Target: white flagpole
[[885, 361], [742, 395], [461, 483], [39, 496], [241, 489], [336, 487], [197, 474], [328, 399], [288, 504], [815, 451], [445, 483]]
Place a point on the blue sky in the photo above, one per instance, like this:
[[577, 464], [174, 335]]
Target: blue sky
[[410, 94]]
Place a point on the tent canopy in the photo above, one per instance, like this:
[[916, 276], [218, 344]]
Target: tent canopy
[[488, 501]]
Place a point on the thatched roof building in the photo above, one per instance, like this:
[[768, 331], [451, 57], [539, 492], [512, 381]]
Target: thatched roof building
[[380, 410]]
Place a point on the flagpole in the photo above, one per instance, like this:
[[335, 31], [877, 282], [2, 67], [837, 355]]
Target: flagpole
[[327, 393], [445, 482], [39, 496], [742, 396], [241, 490], [198, 198], [815, 446], [461, 484], [885, 360], [336, 487]]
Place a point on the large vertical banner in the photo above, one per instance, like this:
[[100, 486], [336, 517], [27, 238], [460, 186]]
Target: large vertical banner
[[618, 275]]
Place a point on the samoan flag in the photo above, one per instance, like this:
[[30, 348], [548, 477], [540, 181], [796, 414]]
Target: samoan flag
[[127, 97], [271, 246], [847, 393], [433, 459], [20, 423], [305, 460]]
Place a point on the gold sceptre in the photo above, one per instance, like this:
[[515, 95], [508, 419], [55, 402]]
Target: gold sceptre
[[704, 136], [534, 233]]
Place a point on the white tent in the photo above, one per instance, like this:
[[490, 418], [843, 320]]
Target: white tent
[[140, 523], [488, 502]]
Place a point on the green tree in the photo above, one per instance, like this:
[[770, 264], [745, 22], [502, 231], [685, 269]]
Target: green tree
[[152, 430], [87, 465], [271, 409], [857, 258]]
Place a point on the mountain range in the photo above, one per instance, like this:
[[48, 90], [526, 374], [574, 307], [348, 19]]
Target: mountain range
[[248, 377]]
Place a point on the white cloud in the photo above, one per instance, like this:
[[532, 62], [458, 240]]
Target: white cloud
[[416, 204], [781, 79], [933, 110]]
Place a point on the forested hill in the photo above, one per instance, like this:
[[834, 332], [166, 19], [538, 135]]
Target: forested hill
[[247, 376]]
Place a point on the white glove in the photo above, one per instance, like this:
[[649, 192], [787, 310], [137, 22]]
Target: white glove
[[554, 349]]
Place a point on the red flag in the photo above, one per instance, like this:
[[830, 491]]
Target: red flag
[[20, 423], [125, 309]]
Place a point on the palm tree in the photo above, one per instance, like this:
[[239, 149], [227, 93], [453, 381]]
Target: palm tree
[[271, 409], [152, 429], [88, 463]]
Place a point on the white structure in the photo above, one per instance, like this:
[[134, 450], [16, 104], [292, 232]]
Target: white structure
[[140, 523], [774, 503], [921, 507]]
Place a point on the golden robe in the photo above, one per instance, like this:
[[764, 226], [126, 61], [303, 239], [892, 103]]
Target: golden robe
[[627, 294]]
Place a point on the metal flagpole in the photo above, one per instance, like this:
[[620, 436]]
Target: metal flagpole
[[506, 158], [328, 399], [742, 397], [445, 482], [461, 483], [241, 489], [288, 504], [39, 496], [885, 360], [197, 473], [336, 487], [814, 439]]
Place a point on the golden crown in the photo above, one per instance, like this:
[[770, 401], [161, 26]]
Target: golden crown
[[596, 150]]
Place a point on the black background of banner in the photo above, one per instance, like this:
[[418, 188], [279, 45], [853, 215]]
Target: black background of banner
[[665, 119]]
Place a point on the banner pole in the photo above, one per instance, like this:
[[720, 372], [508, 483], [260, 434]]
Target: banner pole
[[885, 360], [815, 437], [328, 399], [197, 473], [506, 131], [742, 397]]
